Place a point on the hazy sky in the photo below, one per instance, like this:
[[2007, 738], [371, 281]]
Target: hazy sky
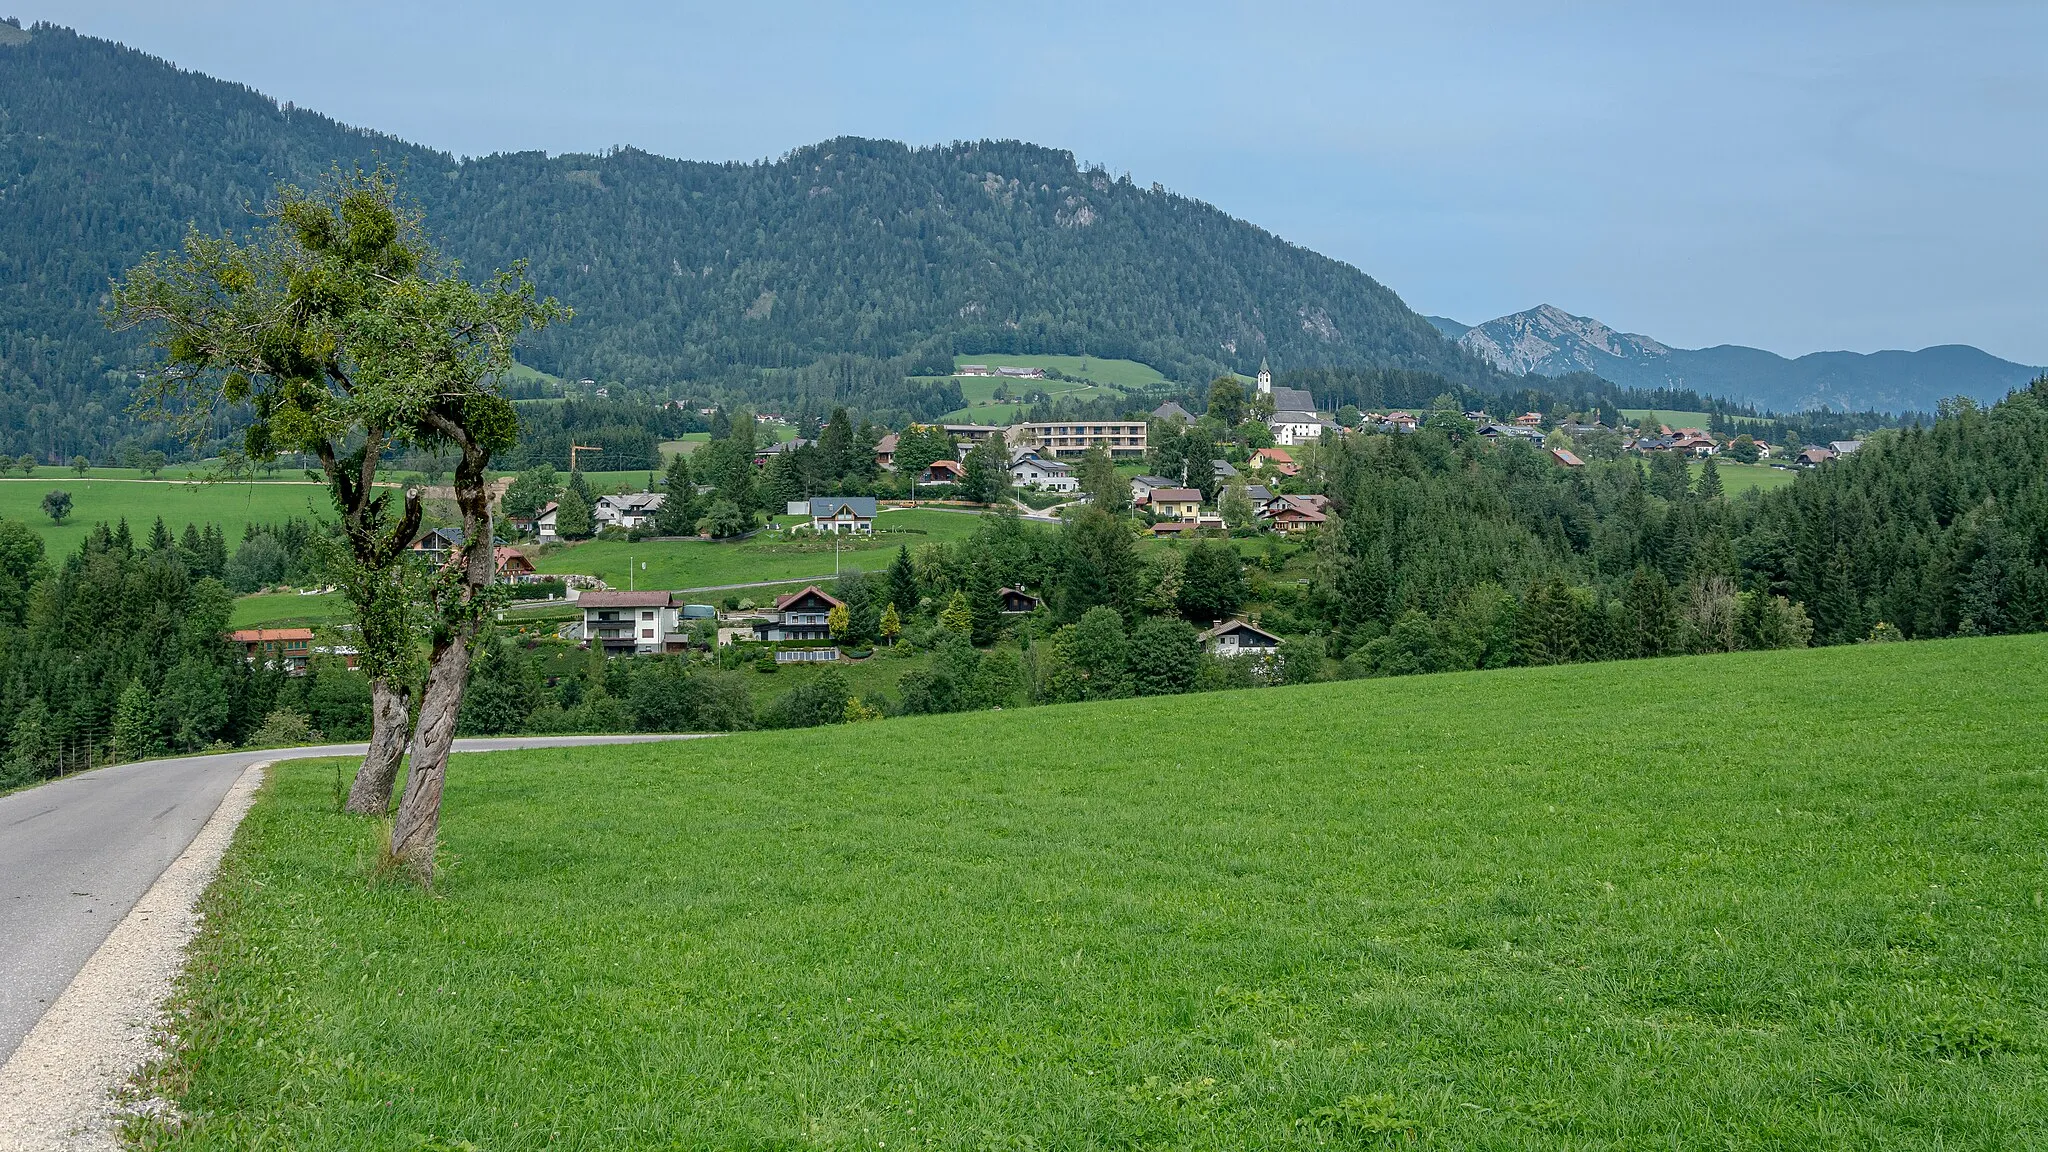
[[1793, 176]]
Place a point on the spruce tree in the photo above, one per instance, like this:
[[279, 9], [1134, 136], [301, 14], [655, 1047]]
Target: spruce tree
[[677, 515], [1710, 480], [903, 582]]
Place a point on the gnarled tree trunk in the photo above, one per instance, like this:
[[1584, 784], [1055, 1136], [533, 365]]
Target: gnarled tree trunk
[[414, 834], [390, 732]]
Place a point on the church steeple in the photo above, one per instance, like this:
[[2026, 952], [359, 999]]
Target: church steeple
[[1265, 378]]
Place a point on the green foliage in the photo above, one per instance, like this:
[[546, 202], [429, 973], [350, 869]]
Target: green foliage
[[57, 504], [574, 519], [678, 513], [530, 490]]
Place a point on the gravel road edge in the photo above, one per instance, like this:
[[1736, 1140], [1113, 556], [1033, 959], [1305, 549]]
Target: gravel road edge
[[57, 1089]]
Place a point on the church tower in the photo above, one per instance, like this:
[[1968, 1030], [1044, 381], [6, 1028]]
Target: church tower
[[1265, 378]]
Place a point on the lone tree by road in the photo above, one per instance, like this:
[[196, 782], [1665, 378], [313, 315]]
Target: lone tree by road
[[322, 328], [57, 505]]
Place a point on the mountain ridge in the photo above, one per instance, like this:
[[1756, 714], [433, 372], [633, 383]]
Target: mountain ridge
[[684, 274], [1548, 341]]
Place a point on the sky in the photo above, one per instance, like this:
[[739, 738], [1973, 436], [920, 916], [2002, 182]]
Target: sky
[[1792, 176]]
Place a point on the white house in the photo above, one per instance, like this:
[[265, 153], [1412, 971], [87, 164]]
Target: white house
[[626, 510], [1029, 470], [625, 623], [544, 522], [1142, 487], [1240, 638], [837, 514]]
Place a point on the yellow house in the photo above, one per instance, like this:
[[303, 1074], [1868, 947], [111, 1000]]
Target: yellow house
[[1179, 503]]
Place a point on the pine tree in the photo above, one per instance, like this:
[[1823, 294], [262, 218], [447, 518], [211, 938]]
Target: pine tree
[[835, 445], [902, 582], [985, 604], [1710, 480], [677, 515], [892, 624], [573, 520], [160, 538]]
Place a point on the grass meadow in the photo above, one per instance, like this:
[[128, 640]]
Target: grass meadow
[[288, 610], [1739, 478], [1771, 900], [767, 556], [1675, 419], [232, 505]]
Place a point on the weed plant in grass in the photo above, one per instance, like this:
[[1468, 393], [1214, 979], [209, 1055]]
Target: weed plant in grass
[[1786, 900]]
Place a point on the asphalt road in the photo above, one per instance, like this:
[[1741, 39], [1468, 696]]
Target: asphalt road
[[77, 853]]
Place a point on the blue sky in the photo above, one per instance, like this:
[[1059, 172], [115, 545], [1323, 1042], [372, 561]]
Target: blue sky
[[1793, 176]]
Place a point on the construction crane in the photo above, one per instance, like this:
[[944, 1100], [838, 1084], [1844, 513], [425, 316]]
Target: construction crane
[[574, 449]]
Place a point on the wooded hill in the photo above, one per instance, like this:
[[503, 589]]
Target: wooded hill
[[680, 272]]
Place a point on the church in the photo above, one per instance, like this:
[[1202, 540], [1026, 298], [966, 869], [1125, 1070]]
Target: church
[[1294, 411]]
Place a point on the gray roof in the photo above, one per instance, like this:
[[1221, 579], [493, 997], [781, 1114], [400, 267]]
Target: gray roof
[[1153, 481], [1171, 410], [1222, 468], [1292, 400], [863, 506]]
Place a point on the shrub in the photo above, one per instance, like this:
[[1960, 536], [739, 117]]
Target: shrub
[[284, 728]]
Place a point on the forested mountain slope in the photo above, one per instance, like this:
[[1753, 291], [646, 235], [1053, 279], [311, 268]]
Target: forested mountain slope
[[679, 271]]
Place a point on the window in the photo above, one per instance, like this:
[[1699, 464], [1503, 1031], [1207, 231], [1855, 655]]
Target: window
[[647, 633], [647, 615]]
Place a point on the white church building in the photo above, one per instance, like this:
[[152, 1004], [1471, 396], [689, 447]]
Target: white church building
[[1294, 412]]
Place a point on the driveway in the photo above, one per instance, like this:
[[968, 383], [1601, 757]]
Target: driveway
[[77, 853]]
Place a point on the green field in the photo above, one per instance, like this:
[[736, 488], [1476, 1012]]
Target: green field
[[768, 556], [287, 610], [1739, 478], [1777, 900], [1673, 418], [231, 505], [1108, 378], [1113, 373]]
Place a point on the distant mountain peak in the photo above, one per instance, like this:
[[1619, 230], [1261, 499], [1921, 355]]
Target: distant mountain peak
[[1548, 341]]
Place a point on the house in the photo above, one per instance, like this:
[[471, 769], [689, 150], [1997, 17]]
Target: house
[[943, 472], [1240, 638], [626, 623], [544, 522], [625, 510], [1142, 487], [1177, 503], [798, 616], [512, 566], [1029, 470], [1260, 496], [971, 434], [1294, 514], [1529, 420], [1122, 439], [436, 545], [885, 451], [1693, 442], [1280, 460], [1813, 456], [286, 648], [1173, 528], [1295, 425], [764, 455], [1568, 459], [1017, 601], [1402, 421], [1171, 410], [836, 514], [1844, 447], [1222, 469]]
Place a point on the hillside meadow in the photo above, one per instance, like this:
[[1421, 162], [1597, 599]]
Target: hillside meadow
[[763, 557], [1786, 900], [232, 505]]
